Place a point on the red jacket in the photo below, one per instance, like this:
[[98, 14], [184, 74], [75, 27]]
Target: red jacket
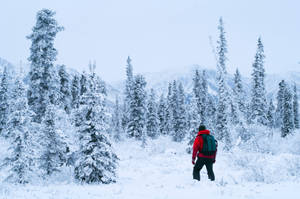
[[198, 145]]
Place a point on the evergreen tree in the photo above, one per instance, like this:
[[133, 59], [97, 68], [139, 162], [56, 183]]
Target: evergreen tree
[[4, 100], [128, 94], [238, 108], [97, 161], [201, 93], [239, 92], [193, 123], [211, 114], [174, 109], [180, 119], [287, 115], [21, 159], [258, 98], [83, 83], [162, 120], [271, 115], [65, 90], [54, 147], [234, 111], [279, 108], [75, 92], [151, 116], [137, 108], [100, 85], [296, 107], [222, 131], [197, 94], [116, 121], [203, 97], [42, 57], [54, 86], [169, 112]]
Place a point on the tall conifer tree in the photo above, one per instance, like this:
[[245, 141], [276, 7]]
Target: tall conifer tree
[[75, 92], [136, 125], [162, 118], [296, 107], [286, 110], [128, 94], [97, 161], [116, 121], [42, 57], [65, 90], [222, 130], [21, 161], [151, 116], [4, 100], [258, 91]]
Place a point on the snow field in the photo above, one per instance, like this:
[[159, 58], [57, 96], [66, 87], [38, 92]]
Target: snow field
[[163, 170]]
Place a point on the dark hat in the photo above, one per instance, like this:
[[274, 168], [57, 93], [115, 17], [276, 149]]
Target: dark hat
[[202, 127]]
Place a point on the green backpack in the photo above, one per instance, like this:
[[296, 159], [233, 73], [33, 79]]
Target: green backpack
[[209, 145]]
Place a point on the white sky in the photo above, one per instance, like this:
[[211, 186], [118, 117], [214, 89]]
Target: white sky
[[159, 35]]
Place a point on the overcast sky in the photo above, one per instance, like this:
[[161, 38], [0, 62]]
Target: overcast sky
[[159, 35]]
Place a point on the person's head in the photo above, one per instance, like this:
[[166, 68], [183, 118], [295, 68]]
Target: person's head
[[202, 127]]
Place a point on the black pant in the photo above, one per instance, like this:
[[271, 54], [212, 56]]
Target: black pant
[[209, 167]]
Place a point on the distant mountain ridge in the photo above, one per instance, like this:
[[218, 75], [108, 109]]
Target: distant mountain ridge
[[160, 80]]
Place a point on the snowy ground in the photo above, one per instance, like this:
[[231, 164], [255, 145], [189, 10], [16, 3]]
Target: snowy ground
[[163, 170]]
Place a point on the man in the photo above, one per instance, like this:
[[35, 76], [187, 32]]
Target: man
[[206, 158]]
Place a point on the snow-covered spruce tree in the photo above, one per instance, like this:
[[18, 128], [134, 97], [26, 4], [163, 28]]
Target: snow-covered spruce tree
[[52, 79], [211, 114], [75, 92], [21, 160], [4, 100], [196, 92], [162, 108], [128, 94], [200, 93], [84, 83], [151, 116], [258, 91], [296, 107], [54, 147], [222, 131], [180, 127], [238, 110], [239, 92], [100, 86], [174, 108], [65, 90], [203, 97], [97, 161], [137, 108], [96, 82], [248, 112], [117, 121], [42, 57], [287, 114], [279, 108], [169, 112], [271, 115], [237, 101], [193, 121], [234, 116]]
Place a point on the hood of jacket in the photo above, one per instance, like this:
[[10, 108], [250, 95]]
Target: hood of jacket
[[207, 132]]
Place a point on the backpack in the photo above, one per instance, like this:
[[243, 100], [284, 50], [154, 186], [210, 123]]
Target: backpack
[[209, 145]]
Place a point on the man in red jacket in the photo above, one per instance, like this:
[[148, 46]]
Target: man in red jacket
[[202, 159]]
